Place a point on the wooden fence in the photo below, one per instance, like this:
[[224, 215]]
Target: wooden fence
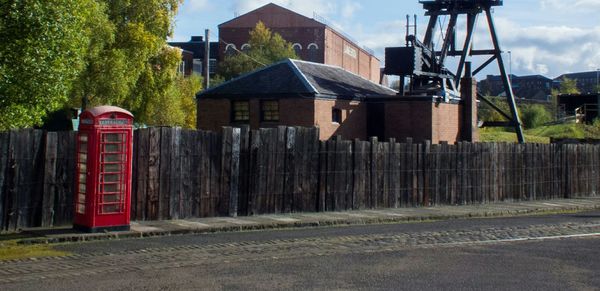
[[180, 173]]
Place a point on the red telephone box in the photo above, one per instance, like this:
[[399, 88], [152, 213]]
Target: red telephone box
[[103, 179]]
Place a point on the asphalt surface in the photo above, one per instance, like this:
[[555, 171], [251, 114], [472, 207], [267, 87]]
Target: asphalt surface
[[557, 252]]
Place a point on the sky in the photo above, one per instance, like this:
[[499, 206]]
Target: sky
[[547, 37]]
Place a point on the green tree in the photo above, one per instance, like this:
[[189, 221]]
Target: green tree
[[266, 48], [129, 50], [44, 48], [167, 98], [568, 86], [534, 116]]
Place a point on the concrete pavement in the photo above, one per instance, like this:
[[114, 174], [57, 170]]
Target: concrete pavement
[[141, 229]]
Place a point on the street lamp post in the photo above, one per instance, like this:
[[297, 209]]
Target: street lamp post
[[597, 80]]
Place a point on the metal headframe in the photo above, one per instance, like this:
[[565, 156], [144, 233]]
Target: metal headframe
[[430, 70]]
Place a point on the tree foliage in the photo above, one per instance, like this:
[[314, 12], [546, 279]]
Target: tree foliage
[[129, 66], [44, 48], [266, 48], [167, 98], [62, 53], [534, 116], [568, 86]]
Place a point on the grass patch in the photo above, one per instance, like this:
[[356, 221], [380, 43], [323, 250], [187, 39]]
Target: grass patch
[[10, 250], [495, 135], [541, 134], [567, 130]]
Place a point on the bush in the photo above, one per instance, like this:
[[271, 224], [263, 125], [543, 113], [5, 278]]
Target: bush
[[533, 116]]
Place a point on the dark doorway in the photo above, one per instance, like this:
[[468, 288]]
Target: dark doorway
[[376, 120]]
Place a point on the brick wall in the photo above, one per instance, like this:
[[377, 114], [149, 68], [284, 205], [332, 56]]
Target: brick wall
[[213, 114], [216, 113], [446, 122], [423, 120], [354, 119], [342, 53]]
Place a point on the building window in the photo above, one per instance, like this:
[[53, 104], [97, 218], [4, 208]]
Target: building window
[[230, 49], [240, 111], [312, 52], [269, 110], [197, 66], [246, 48], [297, 48], [181, 68], [336, 115]]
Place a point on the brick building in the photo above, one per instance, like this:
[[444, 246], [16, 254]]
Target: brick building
[[299, 93], [587, 82], [193, 55], [312, 39], [533, 87]]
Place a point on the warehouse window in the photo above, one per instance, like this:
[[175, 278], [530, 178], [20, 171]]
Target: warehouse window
[[336, 115], [230, 49], [269, 110], [240, 111]]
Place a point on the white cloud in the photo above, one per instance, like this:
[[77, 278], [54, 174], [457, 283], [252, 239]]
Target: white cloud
[[547, 50], [349, 8], [591, 6], [197, 5]]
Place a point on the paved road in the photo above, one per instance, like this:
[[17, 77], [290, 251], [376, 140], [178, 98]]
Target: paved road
[[558, 252]]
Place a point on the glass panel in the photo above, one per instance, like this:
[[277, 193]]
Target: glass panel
[[83, 137], [81, 208], [83, 158], [81, 198], [112, 168], [82, 178], [112, 148], [113, 137], [111, 208], [83, 147], [82, 167], [111, 177], [82, 188], [111, 158], [112, 198], [111, 188]]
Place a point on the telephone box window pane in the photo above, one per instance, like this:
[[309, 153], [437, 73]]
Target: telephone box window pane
[[81, 208], [111, 177], [112, 158], [81, 198], [111, 188], [83, 158], [82, 178], [111, 208], [83, 137], [83, 147], [112, 198], [112, 168], [82, 188], [113, 137], [82, 168], [112, 148]]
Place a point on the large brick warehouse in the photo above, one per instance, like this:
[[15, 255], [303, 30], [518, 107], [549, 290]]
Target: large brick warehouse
[[299, 93], [312, 39]]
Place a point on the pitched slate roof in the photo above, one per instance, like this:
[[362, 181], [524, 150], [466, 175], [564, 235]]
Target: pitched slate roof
[[294, 78]]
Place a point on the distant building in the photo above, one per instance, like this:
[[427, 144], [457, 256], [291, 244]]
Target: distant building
[[300, 93], [587, 82], [533, 87], [583, 106], [193, 55], [313, 39]]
